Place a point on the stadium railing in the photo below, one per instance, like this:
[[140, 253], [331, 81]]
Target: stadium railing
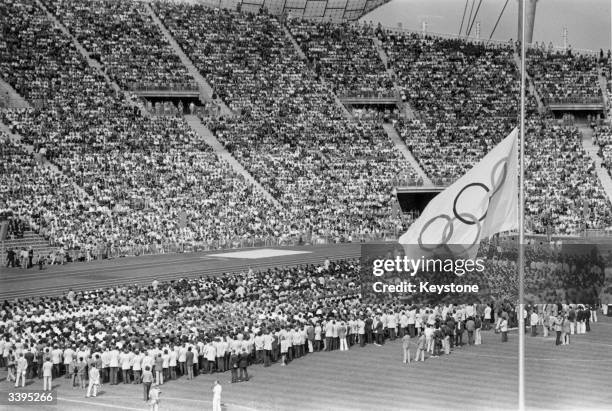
[[574, 100], [164, 87]]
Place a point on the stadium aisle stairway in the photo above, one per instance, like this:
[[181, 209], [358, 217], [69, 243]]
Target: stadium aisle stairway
[[347, 114], [91, 62], [14, 99], [531, 88], [603, 83], [204, 86], [197, 126], [593, 151], [405, 105], [402, 148]]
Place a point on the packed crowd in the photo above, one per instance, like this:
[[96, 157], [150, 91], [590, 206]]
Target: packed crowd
[[182, 328], [124, 38], [602, 137], [466, 95], [140, 173], [562, 190], [562, 76], [290, 135], [344, 55]]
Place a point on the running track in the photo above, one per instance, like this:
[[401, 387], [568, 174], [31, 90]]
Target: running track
[[55, 280]]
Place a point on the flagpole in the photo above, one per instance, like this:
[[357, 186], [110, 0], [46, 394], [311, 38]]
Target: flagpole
[[521, 259]]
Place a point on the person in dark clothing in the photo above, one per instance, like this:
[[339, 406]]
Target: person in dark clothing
[[243, 362], [234, 360], [189, 363], [10, 258]]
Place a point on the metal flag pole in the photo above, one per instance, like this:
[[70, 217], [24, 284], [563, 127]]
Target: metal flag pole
[[521, 259]]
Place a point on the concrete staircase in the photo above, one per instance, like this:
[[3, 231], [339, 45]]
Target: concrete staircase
[[210, 139], [345, 112], [403, 148], [30, 239], [295, 44], [205, 88], [592, 150], [531, 88], [409, 112], [9, 98], [603, 83]]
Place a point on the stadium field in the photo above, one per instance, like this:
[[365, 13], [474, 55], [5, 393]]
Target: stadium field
[[374, 378]]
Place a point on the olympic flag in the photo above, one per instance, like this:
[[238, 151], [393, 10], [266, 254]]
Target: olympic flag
[[478, 205]]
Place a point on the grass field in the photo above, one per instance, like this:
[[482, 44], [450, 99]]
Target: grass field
[[578, 376]]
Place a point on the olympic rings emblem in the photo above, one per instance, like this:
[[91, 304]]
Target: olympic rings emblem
[[465, 218]]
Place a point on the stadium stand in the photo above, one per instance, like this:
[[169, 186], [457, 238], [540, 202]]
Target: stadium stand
[[152, 182], [124, 39], [290, 135], [563, 77], [344, 54]]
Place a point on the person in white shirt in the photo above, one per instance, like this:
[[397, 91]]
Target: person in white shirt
[[154, 394], [137, 366], [172, 364], [105, 365], [217, 396], [56, 359], [259, 348], [534, 319], [125, 360], [488, 317], [165, 364], [94, 381], [268, 340], [182, 357], [47, 370], [211, 356], [22, 366], [68, 355]]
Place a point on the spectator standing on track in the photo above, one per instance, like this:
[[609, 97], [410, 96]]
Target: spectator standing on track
[[159, 369], [81, 372], [406, 348], [47, 370], [470, 326], [94, 381], [154, 397], [557, 324], [534, 319], [147, 380], [243, 363], [503, 328], [188, 363], [234, 361], [217, 396], [420, 352], [114, 366], [22, 366]]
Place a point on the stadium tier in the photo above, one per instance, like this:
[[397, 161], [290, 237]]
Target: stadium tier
[[121, 178]]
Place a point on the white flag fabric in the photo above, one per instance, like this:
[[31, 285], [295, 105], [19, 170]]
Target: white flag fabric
[[478, 205]]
